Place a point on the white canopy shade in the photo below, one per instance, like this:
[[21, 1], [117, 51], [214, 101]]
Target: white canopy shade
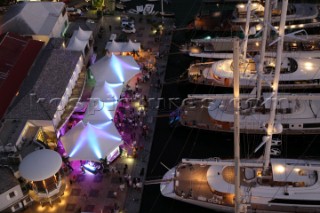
[[100, 111], [107, 92], [130, 46], [40, 165], [83, 35], [79, 40], [86, 142], [115, 69], [113, 46], [77, 44], [107, 126]]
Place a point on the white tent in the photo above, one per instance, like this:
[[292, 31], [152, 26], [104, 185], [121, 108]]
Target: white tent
[[77, 44], [115, 69], [79, 40], [83, 35], [131, 46], [113, 46], [86, 142], [107, 92], [107, 126], [100, 111], [116, 47]]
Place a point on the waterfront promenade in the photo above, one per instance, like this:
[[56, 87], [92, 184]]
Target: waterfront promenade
[[102, 193]]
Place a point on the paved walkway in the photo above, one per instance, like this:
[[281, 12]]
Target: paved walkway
[[101, 192]]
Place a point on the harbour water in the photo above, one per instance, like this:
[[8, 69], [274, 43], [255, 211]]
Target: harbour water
[[171, 143]]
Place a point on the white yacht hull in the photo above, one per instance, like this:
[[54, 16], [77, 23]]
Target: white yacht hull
[[263, 202], [298, 113]]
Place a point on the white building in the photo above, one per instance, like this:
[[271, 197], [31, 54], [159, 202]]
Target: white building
[[12, 198], [41, 20]]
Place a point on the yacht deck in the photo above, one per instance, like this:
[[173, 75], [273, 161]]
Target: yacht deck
[[191, 183]]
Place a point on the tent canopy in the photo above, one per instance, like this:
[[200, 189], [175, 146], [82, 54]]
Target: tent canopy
[[115, 69], [100, 111], [83, 35], [86, 142], [77, 44], [129, 46], [107, 92], [79, 40]]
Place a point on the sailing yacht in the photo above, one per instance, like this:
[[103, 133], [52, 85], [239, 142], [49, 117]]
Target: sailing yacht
[[299, 66], [299, 15], [298, 70], [252, 185], [297, 113], [221, 48]]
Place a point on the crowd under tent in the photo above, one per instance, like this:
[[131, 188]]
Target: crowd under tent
[[106, 92], [115, 69], [87, 142]]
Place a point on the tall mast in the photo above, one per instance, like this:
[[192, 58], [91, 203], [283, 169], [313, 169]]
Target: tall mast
[[274, 101], [263, 47], [236, 80], [162, 12], [246, 31]]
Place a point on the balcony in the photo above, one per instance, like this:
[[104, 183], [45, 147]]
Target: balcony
[[73, 99]]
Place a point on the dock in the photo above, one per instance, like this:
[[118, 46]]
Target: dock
[[108, 192]]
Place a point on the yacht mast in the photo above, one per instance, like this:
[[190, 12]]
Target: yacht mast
[[274, 100], [246, 31], [263, 47], [162, 12], [236, 98]]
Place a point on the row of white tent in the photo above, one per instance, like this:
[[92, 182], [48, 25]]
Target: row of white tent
[[96, 136], [80, 40], [117, 47]]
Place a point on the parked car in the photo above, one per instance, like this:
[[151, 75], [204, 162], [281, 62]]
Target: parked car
[[73, 11], [128, 29], [126, 20]]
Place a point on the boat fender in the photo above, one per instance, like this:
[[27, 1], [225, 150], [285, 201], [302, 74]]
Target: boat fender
[[277, 128], [227, 82]]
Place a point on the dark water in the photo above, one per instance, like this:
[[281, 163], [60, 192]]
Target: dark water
[[172, 143]]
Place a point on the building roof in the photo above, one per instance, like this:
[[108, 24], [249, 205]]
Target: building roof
[[17, 55], [34, 169], [30, 18], [10, 131], [48, 80], [7, 179]]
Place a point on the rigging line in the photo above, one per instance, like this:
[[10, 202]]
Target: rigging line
[[310, 105], [194, 143], [309, 146], [163, 149], [191, 9], [184, 146], [300, 157], [155, 201]]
